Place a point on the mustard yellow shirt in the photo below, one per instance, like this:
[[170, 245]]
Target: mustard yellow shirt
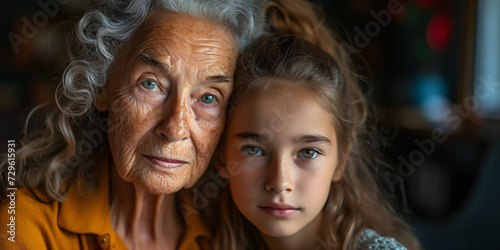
[[80, 222]]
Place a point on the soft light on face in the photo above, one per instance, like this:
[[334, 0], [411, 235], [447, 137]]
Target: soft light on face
[[280, 154], [166, 96]]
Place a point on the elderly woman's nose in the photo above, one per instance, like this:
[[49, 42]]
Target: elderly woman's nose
[[173, 125]]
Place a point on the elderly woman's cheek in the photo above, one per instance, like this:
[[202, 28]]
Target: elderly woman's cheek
[[205, 138], [208, 119], [212, 134], [130, 120], [207, 133]]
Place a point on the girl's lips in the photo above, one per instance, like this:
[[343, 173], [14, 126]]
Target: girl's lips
[[281, 210], [282, 213], [166, 163]]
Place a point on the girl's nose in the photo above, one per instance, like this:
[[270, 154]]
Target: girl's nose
[[279, 177]]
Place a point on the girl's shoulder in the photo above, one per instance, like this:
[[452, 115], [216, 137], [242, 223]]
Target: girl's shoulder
[[369, 239]]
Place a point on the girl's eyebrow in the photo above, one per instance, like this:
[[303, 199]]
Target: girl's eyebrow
[[311, 139], [251, 136], [302, 139]]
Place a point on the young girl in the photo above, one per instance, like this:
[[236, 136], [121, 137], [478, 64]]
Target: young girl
[[296, 153]]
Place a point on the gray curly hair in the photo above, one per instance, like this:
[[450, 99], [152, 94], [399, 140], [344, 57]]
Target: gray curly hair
[[72, 135]]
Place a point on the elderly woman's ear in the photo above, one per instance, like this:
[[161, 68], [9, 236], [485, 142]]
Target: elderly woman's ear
[[101, 101]]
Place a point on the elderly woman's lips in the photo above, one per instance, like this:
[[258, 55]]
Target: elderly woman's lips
[[166, 163]]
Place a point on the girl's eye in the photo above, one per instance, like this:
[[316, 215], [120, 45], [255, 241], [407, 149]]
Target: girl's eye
[[149, 84], [308, 153], [252, 151], [208, 99]]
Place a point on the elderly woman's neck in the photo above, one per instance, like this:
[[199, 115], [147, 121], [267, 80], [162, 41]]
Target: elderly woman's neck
[[142, 219]]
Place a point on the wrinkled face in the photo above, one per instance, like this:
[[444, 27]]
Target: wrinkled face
[[166, 97], [280, 154]]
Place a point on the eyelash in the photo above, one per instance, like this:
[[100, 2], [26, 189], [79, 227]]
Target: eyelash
[[216, 97], [216, 93], [246, 147], [317, 153], [158, 85]]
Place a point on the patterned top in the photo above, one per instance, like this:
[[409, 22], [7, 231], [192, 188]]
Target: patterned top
[[369, 239]]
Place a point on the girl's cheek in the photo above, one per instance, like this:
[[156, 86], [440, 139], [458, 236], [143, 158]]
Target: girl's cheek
[[249, 169]]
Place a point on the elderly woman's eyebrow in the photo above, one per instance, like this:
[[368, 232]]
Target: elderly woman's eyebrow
[[210, 79], [154, 62], [219, 79]]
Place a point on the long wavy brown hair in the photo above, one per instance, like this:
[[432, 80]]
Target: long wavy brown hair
[[301, 49]]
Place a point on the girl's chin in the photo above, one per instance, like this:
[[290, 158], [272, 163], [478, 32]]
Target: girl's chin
[[277, 232]]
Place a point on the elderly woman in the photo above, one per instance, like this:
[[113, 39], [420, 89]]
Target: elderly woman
[[139, 112]]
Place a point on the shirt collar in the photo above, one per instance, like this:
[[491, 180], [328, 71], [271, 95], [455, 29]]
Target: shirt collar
[[87, 212]]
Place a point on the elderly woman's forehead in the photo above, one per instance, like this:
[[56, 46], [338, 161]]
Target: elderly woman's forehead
[[164, 25], [171, 21], [168, 37]]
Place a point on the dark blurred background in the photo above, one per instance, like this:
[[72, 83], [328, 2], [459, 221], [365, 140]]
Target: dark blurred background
[[434, 70]]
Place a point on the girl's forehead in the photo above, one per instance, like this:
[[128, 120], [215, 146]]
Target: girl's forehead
[[293, 95], [290, 103], [260, 88], [271, 88], [285, 117]]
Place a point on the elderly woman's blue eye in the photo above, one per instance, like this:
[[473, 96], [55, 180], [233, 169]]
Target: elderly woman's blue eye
[[252, 151], [208, 99], [149, 84], [308, 153]]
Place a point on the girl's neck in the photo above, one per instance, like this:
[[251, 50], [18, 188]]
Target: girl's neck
[[143, 220], [306, 238]]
